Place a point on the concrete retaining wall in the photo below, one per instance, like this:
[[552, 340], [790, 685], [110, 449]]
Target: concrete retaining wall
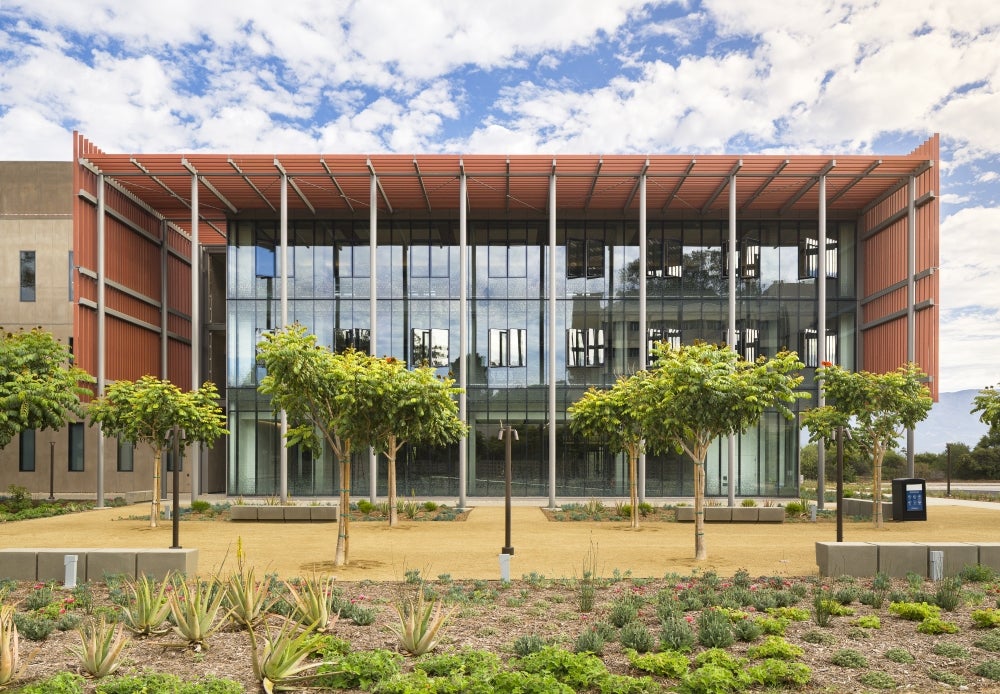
[[897, 559], [862, 508], [285, 514], [94, 564], [734, 514]]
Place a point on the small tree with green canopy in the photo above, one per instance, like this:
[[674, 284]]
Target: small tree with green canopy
[[699, 392], [318, 390], [146, 411], [874, 408], [402, 407], [39, 387], [613, 415], [987, 403]]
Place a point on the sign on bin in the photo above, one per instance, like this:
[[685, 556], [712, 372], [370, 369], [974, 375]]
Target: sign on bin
[[914, 497]]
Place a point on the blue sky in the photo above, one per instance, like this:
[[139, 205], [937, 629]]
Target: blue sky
[[510, 76]]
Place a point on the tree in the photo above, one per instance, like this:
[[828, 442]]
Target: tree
[[403, 407], [697, 393], [39, 387], [875, 408], [148, 410], [318, 391], [987, 402], [613, 415]]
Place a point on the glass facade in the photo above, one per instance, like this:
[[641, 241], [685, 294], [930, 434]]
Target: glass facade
[[597, 337]]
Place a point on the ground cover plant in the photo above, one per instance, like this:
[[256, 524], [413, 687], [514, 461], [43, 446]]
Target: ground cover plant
[[671, 633]]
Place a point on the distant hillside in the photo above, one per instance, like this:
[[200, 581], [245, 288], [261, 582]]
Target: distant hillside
[[950, 421]]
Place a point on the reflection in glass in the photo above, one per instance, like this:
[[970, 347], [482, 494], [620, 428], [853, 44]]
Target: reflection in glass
[[354, 338], [507, 347], [671, 336], [585, 347], [809, 257], [429, 346], [810, 347]]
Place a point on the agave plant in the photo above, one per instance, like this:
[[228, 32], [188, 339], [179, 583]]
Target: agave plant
[[247, 598], [9, 655], [312, 601], [420, 624], [100, 648], [280, 665], [195, 611], [148, 609]]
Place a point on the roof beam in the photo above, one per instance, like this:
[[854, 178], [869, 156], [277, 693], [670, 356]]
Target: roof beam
[[204, 180], [295, 187], [635, 188], [507, 182], [593, 183], [378, 182], [153, 177], [813, 180], [721, 187], [763, 186], [420, 180], [236, 167], [677, 187], [336, 184], [853, 182]]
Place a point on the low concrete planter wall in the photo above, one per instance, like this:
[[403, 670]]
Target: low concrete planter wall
[[897, 559], [862, 508], [734, 514], [284, 514], [95, 564]]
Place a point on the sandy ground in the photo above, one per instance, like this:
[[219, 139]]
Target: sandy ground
[[470, 549]]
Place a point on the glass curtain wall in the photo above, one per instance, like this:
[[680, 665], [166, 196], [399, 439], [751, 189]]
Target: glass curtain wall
[[597, 337]]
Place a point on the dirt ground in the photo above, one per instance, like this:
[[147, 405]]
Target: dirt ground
[[469, 549]]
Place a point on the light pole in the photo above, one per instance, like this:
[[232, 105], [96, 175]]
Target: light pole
[[52, 470], [511, 435], [177, 434]]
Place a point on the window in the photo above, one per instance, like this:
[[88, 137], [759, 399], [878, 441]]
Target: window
[[429, 261], [810, 347], [126, 456], [585, 347], [748, 342], [27, 455], [354, 338], [584, 258], [747, 258], [429, 346], [27, 275], [507, 347], [809, 258], [76, 447], [672, 336], [508, 261], [664, 258]]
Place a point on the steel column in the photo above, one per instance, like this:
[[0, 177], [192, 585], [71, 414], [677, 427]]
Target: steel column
[[643, 328], [911, 299], [821, 336], [283, 308], [372, 307], [731, 333], [196, 447], [552, 338], [101, 334], [463, 337]]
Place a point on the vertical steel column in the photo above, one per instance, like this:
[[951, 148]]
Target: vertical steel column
[[551, 346], [821, 336], [643, 329], [283, 308], [463, 337], [101, 334], [911, 298], [164, 301], [196, 447], [731, 333], [372, 304]]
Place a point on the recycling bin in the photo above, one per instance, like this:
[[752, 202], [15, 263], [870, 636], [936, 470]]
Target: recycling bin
[[909, 499]]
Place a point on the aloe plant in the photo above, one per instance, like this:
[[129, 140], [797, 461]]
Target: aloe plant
[[420, 624], [148, 609], [280, 665], [195, 611], [9, 654], [312, 600], [100, 648], [247, 598]]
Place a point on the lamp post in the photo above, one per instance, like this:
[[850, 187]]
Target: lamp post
[[509, 435], [840, 484], [177, 434], [52, 470]]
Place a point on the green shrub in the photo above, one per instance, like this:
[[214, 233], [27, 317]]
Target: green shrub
[[796, 614], [359, 670], [201, 506], [715, 630], [670, 664], [775, 673], [747, 630], [845, 596], [878, 680], [162, 682], [39, 598], [873, 598], [950, 650], [774, 647], [793, 509], [505, 682], [748, 503], [722, 658], [365, 506], [949, 594], [676, 634], [820, 638], [578, 670], [63, 683], [32, 626], [848, 657], [977, 573], [990, 669], [645, 508], [870, 621], [986, 619], [774, 626], [589, 641], [713, 679], [944, 677], [362, 615], [990, 641], [899, 655], [636, 635], [530, 643], [465, 662], [430, 506], [622, 612], [914, 611], [936, 625]]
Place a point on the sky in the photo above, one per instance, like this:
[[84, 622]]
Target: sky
[[546, 76]]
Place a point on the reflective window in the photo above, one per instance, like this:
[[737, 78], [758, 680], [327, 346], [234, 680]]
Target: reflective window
[[507, 347], [354, 338], [126, 456], [671, 336], [584, 258], [809, 257], [810, 347], [27, 451], [664, 258], [429, 346], [748, 342], [585, 347], [76, 446], [27, 275]]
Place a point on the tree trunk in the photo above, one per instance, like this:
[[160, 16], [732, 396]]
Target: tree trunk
[[633, 494], [391, 481], [700, 553], [343, 522], [877, 456], [154, 510]]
